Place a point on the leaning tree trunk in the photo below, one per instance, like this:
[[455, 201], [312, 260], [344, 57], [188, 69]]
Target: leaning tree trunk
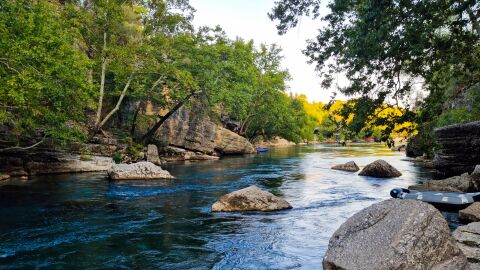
[[150, 133]]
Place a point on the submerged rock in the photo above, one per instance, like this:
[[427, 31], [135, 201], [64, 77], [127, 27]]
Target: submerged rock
[[250, 199], [138, 171], [468, 238], [471, 213], [380, 168], [461, 183], [394, 234], [350, 166]]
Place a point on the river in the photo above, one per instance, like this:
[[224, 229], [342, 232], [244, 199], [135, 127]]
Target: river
[[79, 221]]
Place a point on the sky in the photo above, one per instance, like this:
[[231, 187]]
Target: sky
[[248, 19]]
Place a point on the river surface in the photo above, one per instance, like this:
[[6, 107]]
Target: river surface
[[83, 221]]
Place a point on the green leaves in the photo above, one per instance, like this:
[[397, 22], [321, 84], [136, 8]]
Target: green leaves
[[42, 75]]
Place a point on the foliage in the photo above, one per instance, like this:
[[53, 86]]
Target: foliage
[[43, 83], [383, 46]]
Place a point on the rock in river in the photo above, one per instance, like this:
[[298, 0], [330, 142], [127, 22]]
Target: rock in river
[[461, 183], [139, 170], [394, 234], [380, 168], [471, 213], [250, 199], [350, 166]]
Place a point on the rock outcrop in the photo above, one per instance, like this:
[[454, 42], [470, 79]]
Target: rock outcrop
[[228, 142], [468, 238], [461, 183], [471, 213], [350, 166], [394, 234], [250, 199], [459, 149], [195, 132], [138, 171], [380, 168], [4, 177]]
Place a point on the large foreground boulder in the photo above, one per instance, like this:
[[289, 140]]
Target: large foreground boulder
[[350, 166], [468, 238], [250, 199], [461, 183], [471, 213], [394, 234], [380, 168], [138, 171]]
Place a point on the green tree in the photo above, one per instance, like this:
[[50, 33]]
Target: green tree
[[43, 77]]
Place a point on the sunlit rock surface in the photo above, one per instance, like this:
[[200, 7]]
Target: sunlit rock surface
[[350, 166], [249, 199], [140, 170]]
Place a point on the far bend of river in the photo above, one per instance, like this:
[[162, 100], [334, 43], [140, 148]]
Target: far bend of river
[[83, 221]]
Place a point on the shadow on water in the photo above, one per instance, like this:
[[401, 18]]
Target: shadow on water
[[82, 221]]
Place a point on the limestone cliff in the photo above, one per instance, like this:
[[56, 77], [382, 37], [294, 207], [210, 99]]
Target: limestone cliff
[[197, 132]]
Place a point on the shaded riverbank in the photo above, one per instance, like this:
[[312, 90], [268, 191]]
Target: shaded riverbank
[[84, 221]]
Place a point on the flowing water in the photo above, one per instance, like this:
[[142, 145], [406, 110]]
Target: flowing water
[[83, 221]]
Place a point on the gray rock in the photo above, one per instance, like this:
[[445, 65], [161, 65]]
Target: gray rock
[[195, 131], [250, 199], [380, 168], [476, 171], [394, 234], [69, 164], [228, 142], [461, 183], [459, 150], [350, 166], [471, 213], [152, 154], [468, 238], [138, 171], [171, 153], [4, 176]]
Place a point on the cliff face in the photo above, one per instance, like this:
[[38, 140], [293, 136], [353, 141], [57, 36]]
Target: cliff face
[[196, 132], [459, 150]]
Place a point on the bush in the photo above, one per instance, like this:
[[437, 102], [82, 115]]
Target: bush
[[117, 158]]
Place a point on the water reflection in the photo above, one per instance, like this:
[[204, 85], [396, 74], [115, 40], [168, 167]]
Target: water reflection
[[83, 221]]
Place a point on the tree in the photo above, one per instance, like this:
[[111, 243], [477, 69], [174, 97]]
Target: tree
[[382, 45], [43, 78]]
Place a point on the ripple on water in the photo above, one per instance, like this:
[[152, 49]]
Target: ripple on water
[[83, 221]]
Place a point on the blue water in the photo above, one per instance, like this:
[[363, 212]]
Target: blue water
[[79, 221]]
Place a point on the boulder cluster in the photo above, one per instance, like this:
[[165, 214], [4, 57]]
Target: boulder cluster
[[379, 168], [410, 234]]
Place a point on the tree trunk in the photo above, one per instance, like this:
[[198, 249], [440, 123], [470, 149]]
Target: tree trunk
[[473, 19], [149, 135], [117, 106], [102, 81]]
